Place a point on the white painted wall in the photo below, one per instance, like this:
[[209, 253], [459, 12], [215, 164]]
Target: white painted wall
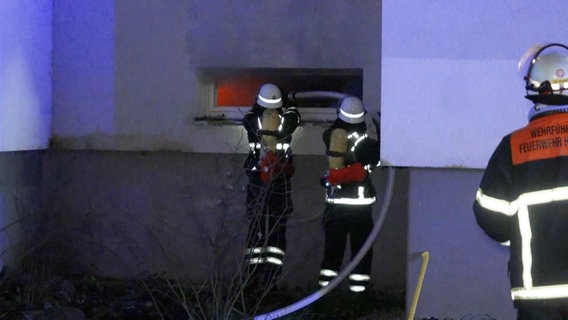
[[83, 63], [143, 92], [450, 87], [25, 74], [127, 71]]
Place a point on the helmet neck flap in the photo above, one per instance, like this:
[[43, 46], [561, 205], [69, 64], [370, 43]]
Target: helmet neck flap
[[539, 110]]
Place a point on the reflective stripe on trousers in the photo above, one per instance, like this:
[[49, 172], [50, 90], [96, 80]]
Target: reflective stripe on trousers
[[260, 255], [357, 282]]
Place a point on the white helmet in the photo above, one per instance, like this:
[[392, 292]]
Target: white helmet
[[269, 96], [546, 74], [351, 110]]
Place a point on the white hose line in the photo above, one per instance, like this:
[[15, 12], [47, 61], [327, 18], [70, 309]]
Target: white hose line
[[358, 257]]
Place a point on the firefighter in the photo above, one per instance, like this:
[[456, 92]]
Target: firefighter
[[522, 200], [352, 156], [269, 167]]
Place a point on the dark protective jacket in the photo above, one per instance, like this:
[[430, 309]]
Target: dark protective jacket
[[360, 148], [268, 204], [289, 120], [522, 201], [348, 210]]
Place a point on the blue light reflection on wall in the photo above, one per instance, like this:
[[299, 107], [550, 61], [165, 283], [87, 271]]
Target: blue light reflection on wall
[[83, 67], [3, 235], [25, 74], [450, 88]]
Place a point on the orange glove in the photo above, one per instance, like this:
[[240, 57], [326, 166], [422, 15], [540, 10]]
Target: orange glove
[[351, 173]]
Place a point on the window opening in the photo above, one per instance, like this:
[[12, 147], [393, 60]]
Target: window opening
[[231, 92]]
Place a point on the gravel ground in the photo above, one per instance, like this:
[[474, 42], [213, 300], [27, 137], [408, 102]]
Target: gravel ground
[[79, 297]]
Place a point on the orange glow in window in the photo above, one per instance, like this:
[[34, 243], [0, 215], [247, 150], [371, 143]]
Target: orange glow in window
[[239, 91]]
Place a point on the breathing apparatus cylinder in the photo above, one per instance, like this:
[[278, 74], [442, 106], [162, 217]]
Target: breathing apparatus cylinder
[[337, 148], [270, 122]]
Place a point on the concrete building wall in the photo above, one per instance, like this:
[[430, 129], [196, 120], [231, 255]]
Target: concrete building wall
[[127, 213], [127, 72], [20, 203], [466, 274], [83, 68], [25, 118], [137, 185], [25, 74], [156, 94]]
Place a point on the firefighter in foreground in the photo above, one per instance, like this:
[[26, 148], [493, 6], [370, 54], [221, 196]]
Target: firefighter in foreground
[[352, 155], [269, 167], [522, 200]]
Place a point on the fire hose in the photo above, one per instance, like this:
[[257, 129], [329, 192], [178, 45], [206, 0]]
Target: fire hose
[[341, 276]]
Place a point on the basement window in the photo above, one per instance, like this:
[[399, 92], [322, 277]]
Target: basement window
[[230, 93]]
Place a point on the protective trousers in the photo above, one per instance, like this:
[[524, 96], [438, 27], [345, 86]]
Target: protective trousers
[[268, 207], [543, 313], [339, 223]]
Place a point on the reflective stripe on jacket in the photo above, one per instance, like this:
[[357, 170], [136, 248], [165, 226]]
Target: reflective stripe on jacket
[[522, 201], [289, 120], [365, 150]]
